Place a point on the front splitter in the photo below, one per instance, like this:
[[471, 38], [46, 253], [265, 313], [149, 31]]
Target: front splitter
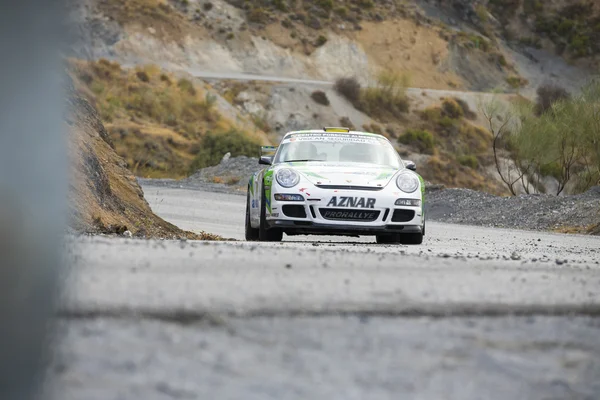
[[312, 228]]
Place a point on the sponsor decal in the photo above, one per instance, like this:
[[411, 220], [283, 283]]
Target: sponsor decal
[[267, 181], [335, 137], [357, 215], [303, 190], [268, 178], [383, 175], [314, 174], [366, 173], [422, 195], [353, 202]]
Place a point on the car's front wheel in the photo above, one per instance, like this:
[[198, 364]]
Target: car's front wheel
[[251, 233], [264, 233]]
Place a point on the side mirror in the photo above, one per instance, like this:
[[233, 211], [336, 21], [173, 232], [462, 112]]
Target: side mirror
[[410, 165], [265, 160], [267, 153]]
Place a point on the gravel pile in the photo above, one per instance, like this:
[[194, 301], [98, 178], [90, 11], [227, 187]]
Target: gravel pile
[[536, 212]]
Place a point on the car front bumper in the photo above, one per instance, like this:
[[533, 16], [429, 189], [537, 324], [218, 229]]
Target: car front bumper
[[311, 215]]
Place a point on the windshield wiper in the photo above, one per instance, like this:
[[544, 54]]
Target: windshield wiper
[[301, 160]]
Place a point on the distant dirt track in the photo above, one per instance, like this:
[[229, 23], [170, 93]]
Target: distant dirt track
[[472, 313]]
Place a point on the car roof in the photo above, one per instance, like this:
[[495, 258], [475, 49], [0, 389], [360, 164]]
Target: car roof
[[335, 131]]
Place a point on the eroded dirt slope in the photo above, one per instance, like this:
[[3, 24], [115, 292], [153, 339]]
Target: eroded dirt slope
[[104, 195]]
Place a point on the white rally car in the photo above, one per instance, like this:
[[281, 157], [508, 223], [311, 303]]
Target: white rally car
[[335, 181]]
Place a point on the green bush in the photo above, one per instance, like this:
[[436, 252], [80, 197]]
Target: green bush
[[482, 13], [387, 98], [257, 15], [431, 114], [368, 4], [516, 82], [326, 5], [321, 40], [452, 109], [480, 43], [345, 122], [421, 139], [349, 88], [468, 113], [341, 11], [468, 161], [143, 76], [447, 122], [320, 97], [187, 86], [214, 145], [280, 5]]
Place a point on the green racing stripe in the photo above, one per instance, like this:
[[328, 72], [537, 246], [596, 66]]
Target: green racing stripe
[[267, 183]]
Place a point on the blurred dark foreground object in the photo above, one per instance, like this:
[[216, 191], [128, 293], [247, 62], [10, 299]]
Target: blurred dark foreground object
[[32, 189]]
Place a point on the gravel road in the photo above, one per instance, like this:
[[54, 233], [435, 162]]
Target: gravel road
[[473, 313]]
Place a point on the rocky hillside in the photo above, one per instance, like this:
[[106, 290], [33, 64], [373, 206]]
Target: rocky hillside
[[104, 195], [441, 44], [446, 49]]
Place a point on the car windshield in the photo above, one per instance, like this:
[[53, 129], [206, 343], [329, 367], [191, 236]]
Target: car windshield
[[338, 147]]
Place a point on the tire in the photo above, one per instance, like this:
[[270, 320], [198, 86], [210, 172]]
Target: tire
[[390, 238], [251, 233], [264, 233], [411, 238]]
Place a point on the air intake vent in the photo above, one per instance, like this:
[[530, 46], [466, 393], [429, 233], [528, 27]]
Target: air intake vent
[[294, 211], [403, 215]]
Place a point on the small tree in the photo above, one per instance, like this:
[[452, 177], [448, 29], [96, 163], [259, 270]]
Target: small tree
[[562, 142], [500, 121]]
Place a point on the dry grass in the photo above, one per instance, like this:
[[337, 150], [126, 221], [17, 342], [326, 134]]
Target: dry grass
[[156, 121], [169, 23]]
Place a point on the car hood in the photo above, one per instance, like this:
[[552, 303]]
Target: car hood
[[347, 174]]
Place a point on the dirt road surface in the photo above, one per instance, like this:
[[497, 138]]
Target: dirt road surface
[[473, 313]]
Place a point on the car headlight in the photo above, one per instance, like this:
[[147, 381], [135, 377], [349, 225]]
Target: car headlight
[[407, 202], [287, 177], [408, 183]]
